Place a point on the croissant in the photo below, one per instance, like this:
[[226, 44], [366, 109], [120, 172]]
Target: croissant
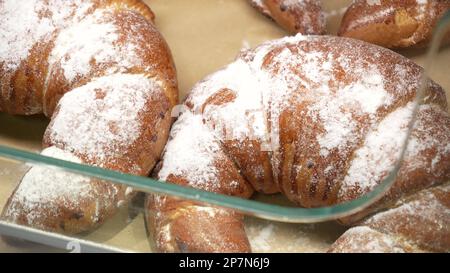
[[301, 16], [104, 74], [393, 23], [420, 223], [320, 119]]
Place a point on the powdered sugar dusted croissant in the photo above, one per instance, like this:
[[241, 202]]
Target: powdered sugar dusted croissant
[[296, 16], [393, 23], [105, 76], [418, 223], [320, 119]]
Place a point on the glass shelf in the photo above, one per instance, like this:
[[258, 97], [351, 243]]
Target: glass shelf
[[250, 207]]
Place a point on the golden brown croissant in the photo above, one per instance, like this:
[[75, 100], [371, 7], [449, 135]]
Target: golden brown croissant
[[393, 23], [104, 74], [419, 223], [296, 16], [320, 119]]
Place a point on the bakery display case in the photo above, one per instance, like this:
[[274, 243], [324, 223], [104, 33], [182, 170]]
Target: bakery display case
[[203, 35]]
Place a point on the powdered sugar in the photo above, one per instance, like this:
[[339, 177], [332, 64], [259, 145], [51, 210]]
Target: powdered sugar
[[44, 185], [379, 153], [253, 87], [366, 96], [47, 192], [334, 109], [374, 17], [416, 218], [424, 206], [270, 237], [245, 116], [242, 117], [308, 20], [24, 23], [421, 141], [93, 40], [210, 211], [101, 118], [382, 147], [367, 240], [422, 2], [373, 2], [261, 241], [165, 236], [191, 153], [308, 15]]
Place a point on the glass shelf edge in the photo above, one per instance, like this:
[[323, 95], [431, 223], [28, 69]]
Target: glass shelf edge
[[254, 208]]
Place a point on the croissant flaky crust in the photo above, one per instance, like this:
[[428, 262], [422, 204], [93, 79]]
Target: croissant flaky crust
[[393, 23], [388, 23], [104, 74], [320, 119], [296, 16], [418, 223]]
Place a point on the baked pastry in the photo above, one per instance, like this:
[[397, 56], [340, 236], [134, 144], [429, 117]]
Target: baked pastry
[[104, 74], [320, 119], [393, 23], [296, 16], [420, 223]]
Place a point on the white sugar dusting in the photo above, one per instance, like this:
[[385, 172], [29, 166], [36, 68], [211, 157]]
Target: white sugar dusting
[[23, 23], [93, 40], [210, 211], [191, 153], [333, 108], [245, 116], [425, 206], [422, 2], [373, 2], [42, 186], [382, 147], [365, 96], [373, 17], [308, 20], [386, 10], [379, 153], [270, 237], [421, 140], [165, 237], [425, 209], [262, 241], [101, 118], [365, 239]]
